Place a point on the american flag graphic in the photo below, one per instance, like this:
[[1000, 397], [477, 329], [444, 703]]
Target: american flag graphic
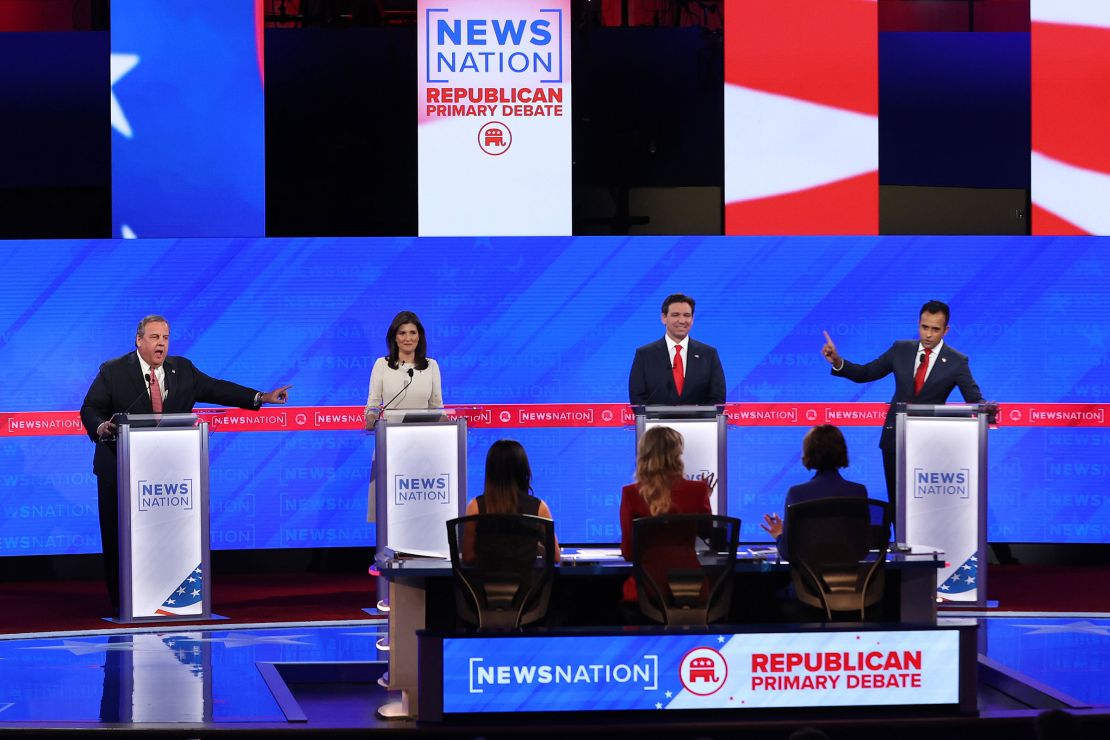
[[963, 579], [801, 117], [184, 598], [1071, 115]]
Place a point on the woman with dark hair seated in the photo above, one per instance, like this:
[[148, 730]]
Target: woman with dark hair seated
[[660, 488], [508, 488], [824, 451]]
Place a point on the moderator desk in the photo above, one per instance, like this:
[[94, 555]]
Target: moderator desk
[[421, 597]]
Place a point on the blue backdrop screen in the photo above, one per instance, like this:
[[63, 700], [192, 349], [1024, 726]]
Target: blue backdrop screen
[[547, 321], [188, 119]]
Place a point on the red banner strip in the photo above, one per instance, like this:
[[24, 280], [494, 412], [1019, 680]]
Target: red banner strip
[[531, 416]]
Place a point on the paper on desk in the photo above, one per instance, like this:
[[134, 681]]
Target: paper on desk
[[411, 554], [592, 553]]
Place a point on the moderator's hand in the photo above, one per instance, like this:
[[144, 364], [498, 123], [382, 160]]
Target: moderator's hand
[[106, 430], [991, 408], [829, 351], [279, 395], [772, 525]]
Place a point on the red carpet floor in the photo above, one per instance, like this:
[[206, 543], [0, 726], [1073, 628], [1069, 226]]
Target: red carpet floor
[[54, 606]]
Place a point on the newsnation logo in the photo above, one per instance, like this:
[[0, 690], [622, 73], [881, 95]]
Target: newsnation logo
[[411, 489], [956, 482], [166, 494], [643, 674]]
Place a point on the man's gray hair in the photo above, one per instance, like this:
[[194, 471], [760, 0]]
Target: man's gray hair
[[153, 318]]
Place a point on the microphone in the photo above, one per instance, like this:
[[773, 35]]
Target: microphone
[[119, 414], [658, 387], [398, 393]]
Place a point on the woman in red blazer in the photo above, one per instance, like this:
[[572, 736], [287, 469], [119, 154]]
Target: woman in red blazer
[[660, 488]]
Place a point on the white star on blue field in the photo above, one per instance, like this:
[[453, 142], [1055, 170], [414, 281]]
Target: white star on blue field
[[121, 64], [1072, 628]]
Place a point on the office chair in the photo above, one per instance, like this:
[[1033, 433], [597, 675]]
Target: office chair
[[829, 544], [504, 565], [683, 564]]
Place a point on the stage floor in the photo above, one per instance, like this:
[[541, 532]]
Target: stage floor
[[323, 676]]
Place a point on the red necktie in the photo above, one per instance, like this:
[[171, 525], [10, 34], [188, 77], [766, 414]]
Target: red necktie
[[155, 393], [676, 368], [919, 377]]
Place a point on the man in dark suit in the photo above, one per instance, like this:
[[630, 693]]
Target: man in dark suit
[[147, 381], [676, 370], [925, 371]]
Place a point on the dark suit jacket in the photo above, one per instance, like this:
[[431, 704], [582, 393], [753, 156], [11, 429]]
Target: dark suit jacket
[[651, 381], [823, 484], [951, 370], [119, 386]]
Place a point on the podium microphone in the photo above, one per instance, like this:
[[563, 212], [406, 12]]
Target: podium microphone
[[113, 419], [398, 393]]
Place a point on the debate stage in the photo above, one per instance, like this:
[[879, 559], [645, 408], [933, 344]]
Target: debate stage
[[320, 677]]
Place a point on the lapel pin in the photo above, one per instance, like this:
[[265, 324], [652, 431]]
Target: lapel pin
[[944, 359], [698, 356]]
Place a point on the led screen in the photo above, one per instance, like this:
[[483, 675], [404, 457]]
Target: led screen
[[801, 108], [548, 321], [188, 130]]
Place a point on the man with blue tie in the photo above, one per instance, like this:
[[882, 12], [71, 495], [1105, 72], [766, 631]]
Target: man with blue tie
[[676, 370], [925, 371]]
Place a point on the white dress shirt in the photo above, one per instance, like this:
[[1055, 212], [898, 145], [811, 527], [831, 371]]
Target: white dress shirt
[[932, 358], [685, 344]]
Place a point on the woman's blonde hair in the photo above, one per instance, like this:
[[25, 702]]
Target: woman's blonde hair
[[658, 466]]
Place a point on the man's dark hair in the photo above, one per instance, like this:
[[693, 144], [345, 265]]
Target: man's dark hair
[[936, 307], [824, 448], [677, 298], [421, 358], [151, 319]]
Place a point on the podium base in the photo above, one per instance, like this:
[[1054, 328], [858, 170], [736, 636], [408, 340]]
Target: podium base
[[163, 620], [392, 710]]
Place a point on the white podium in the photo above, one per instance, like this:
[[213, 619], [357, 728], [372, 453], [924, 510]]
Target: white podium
[[420, 479], [942, 491], [704, 431], [162, 464]]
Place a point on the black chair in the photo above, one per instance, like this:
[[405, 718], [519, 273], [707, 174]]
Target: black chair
[[683, 565], [504, 565], [837, 563]]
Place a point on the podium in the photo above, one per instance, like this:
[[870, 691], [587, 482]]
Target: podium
[[162, 464], [704, 431], [942, 491], [420, 479]]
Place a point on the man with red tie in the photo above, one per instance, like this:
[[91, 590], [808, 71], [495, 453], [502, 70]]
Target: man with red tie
[[925, 371], [676, 370], [147, 381]]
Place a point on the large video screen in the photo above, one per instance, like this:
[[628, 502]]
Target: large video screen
[[547, 321], [188, 119], [1071, 112], [801, 117]]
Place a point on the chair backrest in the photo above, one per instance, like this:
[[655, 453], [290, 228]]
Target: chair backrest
[[504, 565], [836, 561], [684, 565]]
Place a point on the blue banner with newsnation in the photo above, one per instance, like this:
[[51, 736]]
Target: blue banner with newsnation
[[563, 673]]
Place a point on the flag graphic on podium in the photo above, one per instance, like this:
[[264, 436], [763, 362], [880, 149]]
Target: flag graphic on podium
[[184, 599]]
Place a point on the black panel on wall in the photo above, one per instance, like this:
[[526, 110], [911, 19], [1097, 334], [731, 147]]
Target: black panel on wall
[[341, 149], [55, 176], [954, 109]]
